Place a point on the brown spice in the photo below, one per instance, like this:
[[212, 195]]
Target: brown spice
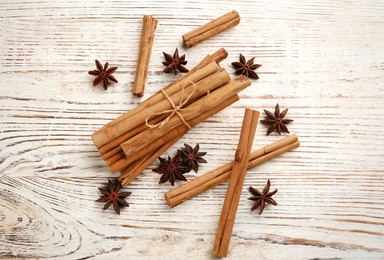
[[174, 63], [276, 121], [236, 181], [171, 169], [261, 197], [211, 28], [246, 68], [103, 75], [192, 157], [145, 50], [112, 196]]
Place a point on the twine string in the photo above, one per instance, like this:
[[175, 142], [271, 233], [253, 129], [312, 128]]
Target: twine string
[[176, 109]]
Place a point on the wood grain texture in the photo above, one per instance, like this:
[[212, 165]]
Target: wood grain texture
[[321, 59]]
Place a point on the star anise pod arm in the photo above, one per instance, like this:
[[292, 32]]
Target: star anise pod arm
[[113, 196], [261, 197]]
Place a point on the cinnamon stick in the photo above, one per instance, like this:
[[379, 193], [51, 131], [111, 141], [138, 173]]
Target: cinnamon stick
[[122, 125], [239, 169], [211, 29], [219, 55], [215, 177], [141, 162], [147, 35], [138, 142]]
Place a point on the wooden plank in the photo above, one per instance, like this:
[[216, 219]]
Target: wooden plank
[[320, 59]]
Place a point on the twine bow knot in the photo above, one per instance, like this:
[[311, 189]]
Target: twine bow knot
[[176, 109]]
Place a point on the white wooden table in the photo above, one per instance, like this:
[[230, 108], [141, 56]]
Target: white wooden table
[[323, 60]]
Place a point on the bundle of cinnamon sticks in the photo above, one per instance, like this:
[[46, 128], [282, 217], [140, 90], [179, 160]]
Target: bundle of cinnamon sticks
[[135, 139]]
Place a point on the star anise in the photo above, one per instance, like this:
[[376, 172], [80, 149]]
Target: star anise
[[112, 196], [276, 121], [103, 75], [192, 157], [171, 169], [246, 68], [174, 63], [261, 198]]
